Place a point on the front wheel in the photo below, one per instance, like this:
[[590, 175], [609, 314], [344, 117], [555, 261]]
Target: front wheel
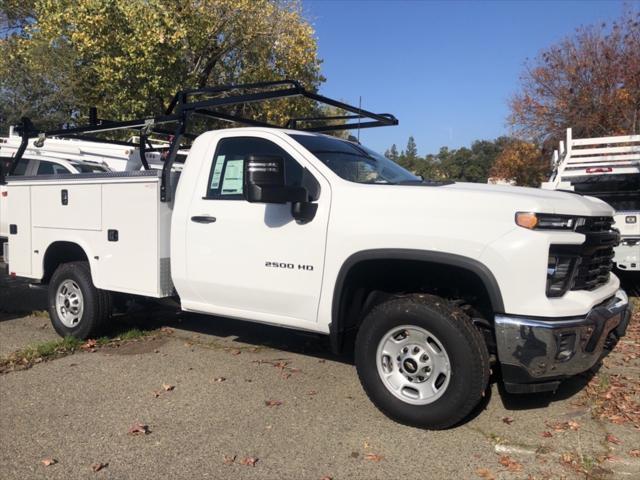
[[76, 307], [421, 361]]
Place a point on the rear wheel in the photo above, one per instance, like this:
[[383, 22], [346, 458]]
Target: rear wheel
[[76, 306], [421, 361]]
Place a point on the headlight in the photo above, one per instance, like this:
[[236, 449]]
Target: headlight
[[560, 272], [547, 221]]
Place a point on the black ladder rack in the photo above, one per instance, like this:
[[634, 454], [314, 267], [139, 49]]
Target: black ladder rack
[[198, 102]]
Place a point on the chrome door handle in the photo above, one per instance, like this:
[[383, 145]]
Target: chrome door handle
[[203, 219]]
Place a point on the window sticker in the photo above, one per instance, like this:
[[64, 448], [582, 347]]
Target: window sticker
[[232, 181], [217, 170]]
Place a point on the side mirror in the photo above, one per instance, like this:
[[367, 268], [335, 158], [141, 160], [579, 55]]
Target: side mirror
[[264, 181]]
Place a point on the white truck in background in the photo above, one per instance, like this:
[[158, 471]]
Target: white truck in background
[[431, 283], [607, 168], [121, 156]]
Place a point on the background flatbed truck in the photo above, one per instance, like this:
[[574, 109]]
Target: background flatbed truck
[[435, 281]]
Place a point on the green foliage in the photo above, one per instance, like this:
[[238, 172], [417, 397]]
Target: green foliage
[[392, 153], [133, 334], [462, 164], [48, 349], [128, 57], [411, 153]]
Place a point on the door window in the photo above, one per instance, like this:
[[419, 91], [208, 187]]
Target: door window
[[226, 177]]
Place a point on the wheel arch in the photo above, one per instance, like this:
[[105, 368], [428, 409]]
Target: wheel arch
[[424, 258], [60, 252]]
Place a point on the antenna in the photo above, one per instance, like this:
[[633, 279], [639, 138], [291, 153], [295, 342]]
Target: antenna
[[359, 115]]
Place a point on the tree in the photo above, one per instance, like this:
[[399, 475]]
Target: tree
[[464, 164], [128, 57], [521, 162], [411, 152], [590, 82], [392, 153]]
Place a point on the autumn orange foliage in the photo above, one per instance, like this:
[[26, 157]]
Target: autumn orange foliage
[[521, 162], [590, 82]]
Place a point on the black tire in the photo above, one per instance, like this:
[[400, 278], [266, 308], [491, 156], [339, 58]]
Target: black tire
[[96, 303], [463, 343]]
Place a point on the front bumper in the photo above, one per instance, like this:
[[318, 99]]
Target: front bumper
[[535, 354]]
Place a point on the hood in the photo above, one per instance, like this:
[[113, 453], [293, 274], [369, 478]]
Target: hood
[[534, 199]]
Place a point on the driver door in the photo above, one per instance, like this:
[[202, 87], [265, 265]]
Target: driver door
[[253, 260]]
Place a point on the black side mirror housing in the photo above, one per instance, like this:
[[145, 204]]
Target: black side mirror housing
[[264, 182]]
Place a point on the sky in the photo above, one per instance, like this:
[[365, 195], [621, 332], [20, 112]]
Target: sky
[[445, 69]]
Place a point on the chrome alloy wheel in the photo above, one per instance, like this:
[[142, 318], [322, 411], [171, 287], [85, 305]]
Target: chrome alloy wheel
[[69, 303], [413, 365]]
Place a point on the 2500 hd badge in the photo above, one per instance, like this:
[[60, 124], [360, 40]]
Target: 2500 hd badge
[[290, 266]]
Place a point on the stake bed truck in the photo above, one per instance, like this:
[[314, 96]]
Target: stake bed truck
[[607, 168], [431, 282]]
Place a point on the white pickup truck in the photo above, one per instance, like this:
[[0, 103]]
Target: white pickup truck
[[434, 280]]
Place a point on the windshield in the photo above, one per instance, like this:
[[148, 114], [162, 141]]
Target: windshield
[[622, 192], [89, 168], [355, 162]]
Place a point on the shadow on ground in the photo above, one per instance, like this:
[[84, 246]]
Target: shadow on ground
[[17, 299]]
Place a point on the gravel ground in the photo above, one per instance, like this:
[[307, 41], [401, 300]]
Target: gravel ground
[[78, 409]]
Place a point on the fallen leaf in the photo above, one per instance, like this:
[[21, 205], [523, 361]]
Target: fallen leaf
[[236, 352], [89, 344], [166, 330], [228, 459], [609, 458], [167, 387], [219, 379], [510, 464], [96, 467], [374, 457], [562, 426], [485, 473], [157, 393], [47, 462], [507, 420], [139, 428], [366, 445], [547, 434], [613, 439], [273, 403], [249, 461], [573, 425], [634, 453]]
